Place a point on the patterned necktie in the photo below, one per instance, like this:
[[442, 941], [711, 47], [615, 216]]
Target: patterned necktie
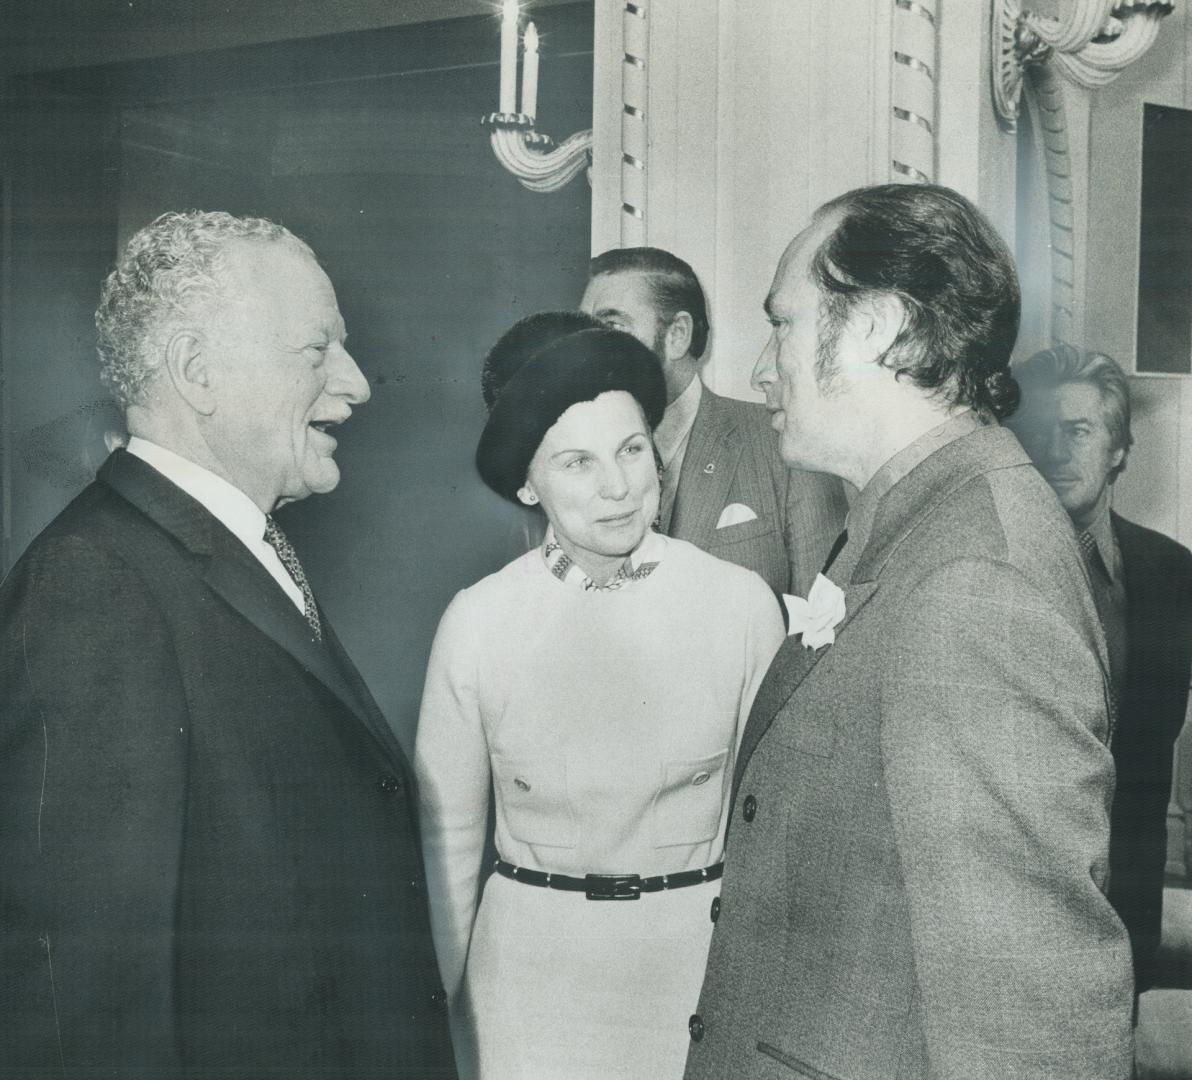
[[1113, 622], [276, 539]]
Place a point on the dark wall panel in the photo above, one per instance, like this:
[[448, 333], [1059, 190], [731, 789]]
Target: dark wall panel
[[433, 248]]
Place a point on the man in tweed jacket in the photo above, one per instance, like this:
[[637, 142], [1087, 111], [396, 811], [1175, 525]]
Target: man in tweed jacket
[[918, 846]]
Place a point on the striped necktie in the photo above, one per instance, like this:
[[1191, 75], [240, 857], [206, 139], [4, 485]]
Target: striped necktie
[[276, 539]]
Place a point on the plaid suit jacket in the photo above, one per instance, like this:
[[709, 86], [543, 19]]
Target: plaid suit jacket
[[920, 820]]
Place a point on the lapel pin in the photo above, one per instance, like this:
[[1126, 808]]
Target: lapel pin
[[710, 468]]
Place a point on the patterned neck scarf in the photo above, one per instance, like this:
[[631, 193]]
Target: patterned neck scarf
[[637, 567]]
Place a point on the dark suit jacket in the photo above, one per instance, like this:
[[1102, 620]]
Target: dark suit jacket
[[207, 830], [1151, 709], [732, 457], [920, 823]]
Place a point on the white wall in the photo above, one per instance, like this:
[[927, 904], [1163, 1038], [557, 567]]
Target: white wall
[[1156, 489], [759, 110]]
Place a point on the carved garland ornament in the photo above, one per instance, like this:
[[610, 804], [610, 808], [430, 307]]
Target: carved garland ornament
[[1090, 45]]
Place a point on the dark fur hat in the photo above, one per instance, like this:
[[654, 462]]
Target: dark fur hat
[[578, 366]]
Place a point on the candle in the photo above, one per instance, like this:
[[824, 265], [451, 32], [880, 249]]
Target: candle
[[508, 102], [529, 102]]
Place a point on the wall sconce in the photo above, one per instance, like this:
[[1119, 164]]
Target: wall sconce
[[530, 155]]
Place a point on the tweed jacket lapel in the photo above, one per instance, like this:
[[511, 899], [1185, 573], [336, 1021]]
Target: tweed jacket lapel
[[903, 507], [790, 666], [232, 572], [709, 465]]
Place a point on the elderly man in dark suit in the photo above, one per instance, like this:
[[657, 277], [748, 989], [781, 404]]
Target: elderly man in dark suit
[[210, 854], [724, 487], [1074, 421], [920, 823]]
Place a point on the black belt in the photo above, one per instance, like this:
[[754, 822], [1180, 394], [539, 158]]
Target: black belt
[[609, 886]]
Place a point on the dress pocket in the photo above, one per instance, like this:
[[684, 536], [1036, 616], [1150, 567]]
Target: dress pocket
[[691, 801], [531, 795]]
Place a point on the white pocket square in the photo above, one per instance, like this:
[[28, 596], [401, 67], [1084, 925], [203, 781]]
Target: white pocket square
[[735, 514]]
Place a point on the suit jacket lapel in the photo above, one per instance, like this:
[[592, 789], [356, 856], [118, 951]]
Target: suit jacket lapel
[[232, 572], [791, 665], [373, 717], [903, 507], [709, 465]]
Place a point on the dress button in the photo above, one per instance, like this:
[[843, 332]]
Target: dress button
[[438, 998], [715, 908], [521, 785], [416, 886], [389, 784], [700, 778], [749, 808], [695, 1026]]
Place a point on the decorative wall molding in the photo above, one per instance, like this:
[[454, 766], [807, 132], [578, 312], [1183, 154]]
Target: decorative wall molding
[[1086, 48], [913, 99], [1091, 44], [635, 93], [1061, 199]]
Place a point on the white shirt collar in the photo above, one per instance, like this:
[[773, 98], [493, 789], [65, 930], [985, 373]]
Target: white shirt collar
[[242, 517], [677, 422]]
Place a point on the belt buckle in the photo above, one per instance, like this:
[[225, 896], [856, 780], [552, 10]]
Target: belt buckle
[[613, 886]]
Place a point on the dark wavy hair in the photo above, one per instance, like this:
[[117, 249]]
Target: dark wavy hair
[[672, 283], [935, 251]]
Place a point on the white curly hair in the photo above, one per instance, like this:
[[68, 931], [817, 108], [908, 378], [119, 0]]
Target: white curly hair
[[169, 270]]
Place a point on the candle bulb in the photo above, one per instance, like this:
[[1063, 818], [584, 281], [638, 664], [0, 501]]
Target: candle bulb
[[508, 100], [529, 103]]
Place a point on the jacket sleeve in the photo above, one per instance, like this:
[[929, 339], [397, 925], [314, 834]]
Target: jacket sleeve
[[92, 789], [993, 741], [454, 779]]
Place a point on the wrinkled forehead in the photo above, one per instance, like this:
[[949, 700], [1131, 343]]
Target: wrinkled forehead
[[608, 419], [281, 278], [1062, 403], [261, 263], [627, 291], [794, 268]]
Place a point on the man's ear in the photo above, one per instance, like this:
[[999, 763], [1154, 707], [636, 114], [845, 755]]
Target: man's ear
[[190, 371], [677, 340], [880, 321]]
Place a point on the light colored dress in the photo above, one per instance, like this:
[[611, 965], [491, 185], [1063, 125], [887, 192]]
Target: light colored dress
[[606, 723]]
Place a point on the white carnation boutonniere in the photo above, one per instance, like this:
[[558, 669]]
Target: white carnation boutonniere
[[817, 617]]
